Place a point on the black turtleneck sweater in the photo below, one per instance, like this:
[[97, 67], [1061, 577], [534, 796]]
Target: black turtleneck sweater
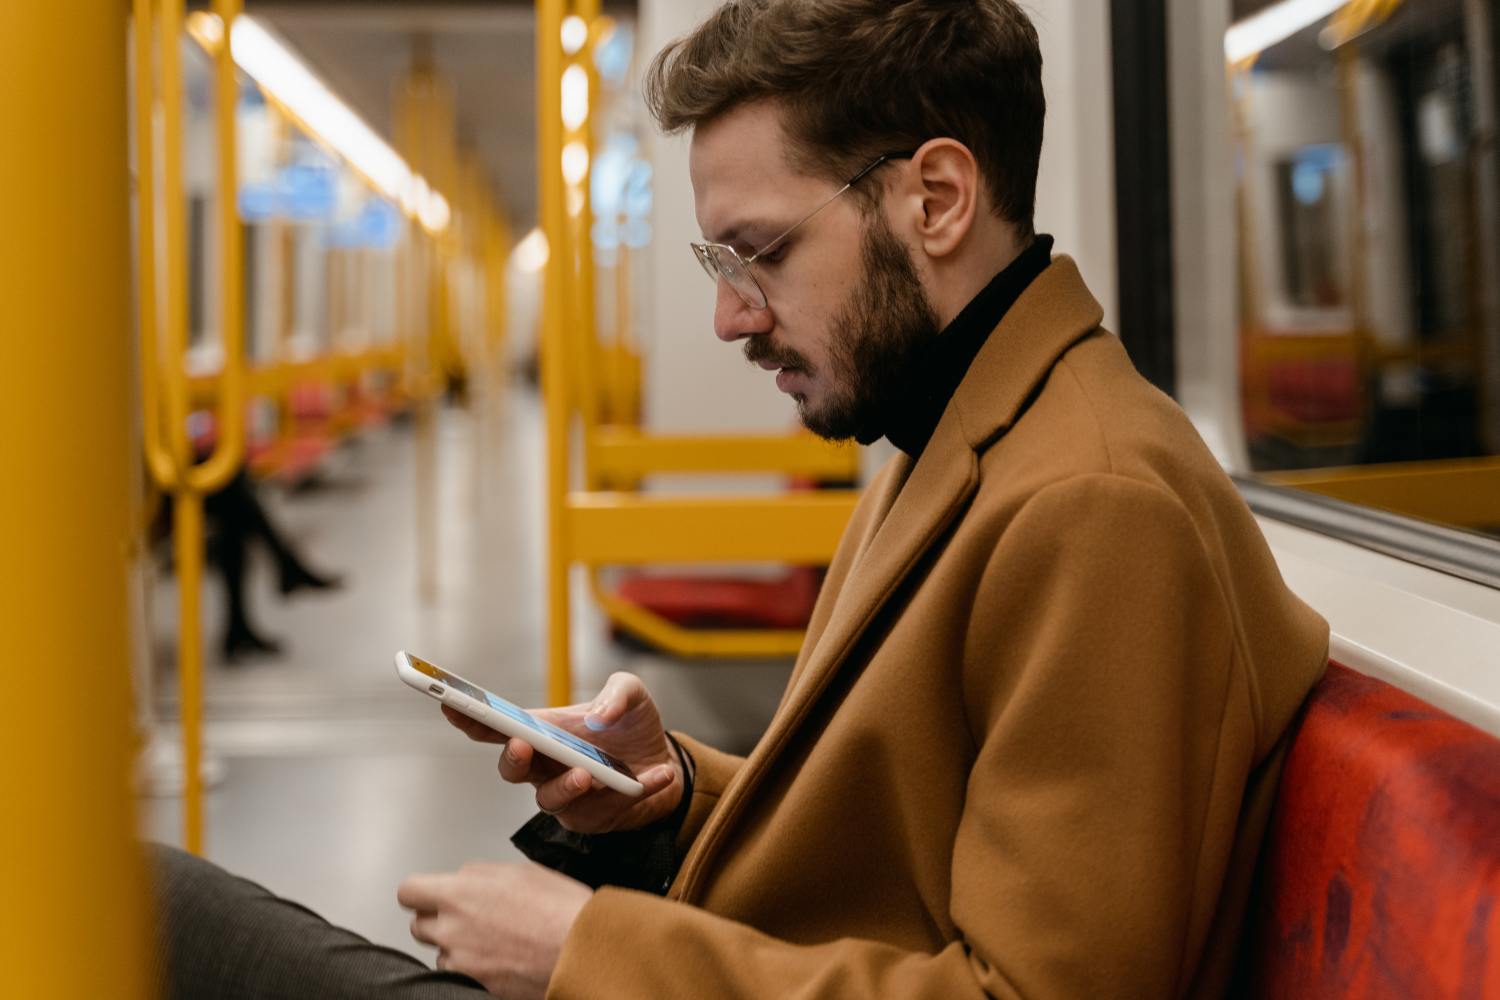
[[943, 364]]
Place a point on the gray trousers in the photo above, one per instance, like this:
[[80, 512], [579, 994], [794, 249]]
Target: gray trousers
[[225, 938]]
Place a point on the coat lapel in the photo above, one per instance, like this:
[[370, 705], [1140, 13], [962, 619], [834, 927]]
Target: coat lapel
[[938, 487], [932, 496], [876, 504]]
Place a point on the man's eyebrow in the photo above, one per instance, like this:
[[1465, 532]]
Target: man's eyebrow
[[746, 232]]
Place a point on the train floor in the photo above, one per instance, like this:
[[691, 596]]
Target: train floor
[[331, 779]]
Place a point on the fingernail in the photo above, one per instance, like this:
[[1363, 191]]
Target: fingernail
[[595, 723], [578, 782]]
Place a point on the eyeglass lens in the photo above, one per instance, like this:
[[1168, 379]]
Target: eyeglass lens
[[720, 261]]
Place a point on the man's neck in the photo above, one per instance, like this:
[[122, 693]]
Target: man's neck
[[937, 371], [954, 281]]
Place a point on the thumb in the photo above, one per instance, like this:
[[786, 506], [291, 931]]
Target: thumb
[[620, 692]]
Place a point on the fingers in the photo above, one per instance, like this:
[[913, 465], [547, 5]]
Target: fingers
[[424, 928], [515, 761], [472, 728], [620, 694], [556, 795], [422, 893], [656, 779]]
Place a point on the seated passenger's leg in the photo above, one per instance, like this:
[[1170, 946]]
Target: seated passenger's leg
[[222, 937]]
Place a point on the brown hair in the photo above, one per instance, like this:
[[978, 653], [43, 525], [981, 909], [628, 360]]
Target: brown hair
[[858, 78]]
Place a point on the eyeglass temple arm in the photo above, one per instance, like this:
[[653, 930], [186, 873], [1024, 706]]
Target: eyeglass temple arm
[[833, 197]]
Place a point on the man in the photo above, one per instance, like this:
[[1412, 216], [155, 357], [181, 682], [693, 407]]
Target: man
[[1030, 744]]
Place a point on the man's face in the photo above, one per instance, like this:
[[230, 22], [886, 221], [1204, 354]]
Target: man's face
[[845, 307]]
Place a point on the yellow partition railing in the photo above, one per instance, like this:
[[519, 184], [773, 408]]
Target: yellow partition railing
[[1461, 491], [165, 391]]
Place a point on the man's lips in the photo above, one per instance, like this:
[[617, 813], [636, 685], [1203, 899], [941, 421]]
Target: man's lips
[[786, 378]]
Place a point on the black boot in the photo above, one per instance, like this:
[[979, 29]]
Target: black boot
[[295, 576], [242, 641]]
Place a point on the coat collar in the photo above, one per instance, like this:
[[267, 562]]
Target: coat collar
[[1053, 314], [915, 506], [918, 502]]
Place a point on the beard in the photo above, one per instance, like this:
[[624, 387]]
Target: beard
[[874, 341]]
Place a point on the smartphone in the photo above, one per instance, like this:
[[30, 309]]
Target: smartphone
[[512, 720]]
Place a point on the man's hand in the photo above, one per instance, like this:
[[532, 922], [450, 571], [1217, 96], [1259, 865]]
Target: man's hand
[[503, 925], [621, 720]]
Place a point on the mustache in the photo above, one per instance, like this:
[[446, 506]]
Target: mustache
[[759, 348]]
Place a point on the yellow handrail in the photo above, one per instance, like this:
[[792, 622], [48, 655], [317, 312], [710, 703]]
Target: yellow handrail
[[229, 451], [164, 376], [162, 464]]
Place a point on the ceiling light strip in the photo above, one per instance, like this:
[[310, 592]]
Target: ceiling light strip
[[1278, 22], [299, 92]]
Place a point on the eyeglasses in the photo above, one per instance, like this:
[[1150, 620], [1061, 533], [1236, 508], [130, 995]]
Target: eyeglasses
[[719, 260]]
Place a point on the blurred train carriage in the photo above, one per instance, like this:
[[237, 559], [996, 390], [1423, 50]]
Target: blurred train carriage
[[420, 272]]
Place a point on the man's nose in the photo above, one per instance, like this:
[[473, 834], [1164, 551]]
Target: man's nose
[[734, 319]]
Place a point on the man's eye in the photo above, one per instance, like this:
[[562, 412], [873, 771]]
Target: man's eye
[[775, 256]]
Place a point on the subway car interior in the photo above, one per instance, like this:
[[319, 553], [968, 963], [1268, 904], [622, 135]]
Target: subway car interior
[[339, 328]]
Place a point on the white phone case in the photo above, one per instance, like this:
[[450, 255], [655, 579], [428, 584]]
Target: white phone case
[[446, 688]]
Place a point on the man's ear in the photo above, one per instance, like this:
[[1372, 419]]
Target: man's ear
[[944, 190]]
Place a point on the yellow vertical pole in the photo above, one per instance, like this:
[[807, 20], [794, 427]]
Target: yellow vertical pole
[[625, 391], [187, 508], [1354, 143], [187, 547], [74, 879], [583, 334], [549, 17], [168, 447], [174, 315], [496, 301], [416, 109], [230, 451]]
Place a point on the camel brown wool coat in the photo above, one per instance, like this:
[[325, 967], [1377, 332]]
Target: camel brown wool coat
[[1032, 739]]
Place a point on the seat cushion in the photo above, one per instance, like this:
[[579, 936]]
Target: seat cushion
[[1381, 868]]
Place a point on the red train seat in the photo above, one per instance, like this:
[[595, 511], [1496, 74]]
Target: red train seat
[[1381, 868], [707, 602], [1315, 391]]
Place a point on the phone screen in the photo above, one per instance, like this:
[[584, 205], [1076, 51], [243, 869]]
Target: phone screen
[[517, 713]]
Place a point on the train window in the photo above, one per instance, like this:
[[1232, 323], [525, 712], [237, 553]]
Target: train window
[[1367, 198]]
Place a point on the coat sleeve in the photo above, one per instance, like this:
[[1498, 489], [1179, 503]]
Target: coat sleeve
[[1111, 741], [712, 771]]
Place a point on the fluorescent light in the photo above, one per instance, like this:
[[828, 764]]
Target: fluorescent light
[[531, 254], [413, 195], [434, 213], [575, 97], [575, 162], [1276, 23], [575, 31], [207, 28], [284, 77]]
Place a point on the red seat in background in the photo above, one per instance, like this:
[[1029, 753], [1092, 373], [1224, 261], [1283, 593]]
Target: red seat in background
[[1317, 390], [1381, 868], [708, 602]]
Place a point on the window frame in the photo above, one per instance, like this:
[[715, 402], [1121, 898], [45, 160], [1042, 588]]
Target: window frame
[[1177, 270]]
